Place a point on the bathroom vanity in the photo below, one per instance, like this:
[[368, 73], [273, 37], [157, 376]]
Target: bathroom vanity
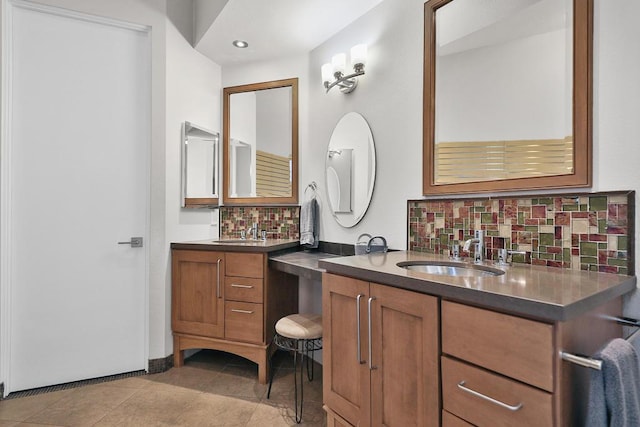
[[405, 347], [225, 297]]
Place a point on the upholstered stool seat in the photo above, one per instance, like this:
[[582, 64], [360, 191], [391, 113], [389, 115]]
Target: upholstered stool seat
[[300, 333]]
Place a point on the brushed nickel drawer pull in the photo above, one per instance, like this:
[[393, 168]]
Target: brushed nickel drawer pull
[[235, 310], [235, 285], [490, 399]]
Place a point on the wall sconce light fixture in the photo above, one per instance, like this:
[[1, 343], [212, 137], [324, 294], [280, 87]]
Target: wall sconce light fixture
[[333, 73]]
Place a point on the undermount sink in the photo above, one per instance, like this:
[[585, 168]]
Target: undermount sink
[[450, 268], [236, 241]]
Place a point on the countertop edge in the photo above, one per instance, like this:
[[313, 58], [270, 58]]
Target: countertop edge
[[230, 247]]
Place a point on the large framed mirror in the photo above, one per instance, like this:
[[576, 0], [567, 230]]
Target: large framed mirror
[[260, 139], [200, 154], [507, 95], [350, 169]]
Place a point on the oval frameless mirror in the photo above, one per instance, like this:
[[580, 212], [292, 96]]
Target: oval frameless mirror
[[350, 169], [199, 166]]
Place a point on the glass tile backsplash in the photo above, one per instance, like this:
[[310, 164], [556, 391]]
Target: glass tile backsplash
[[280, 222], [584, 231]]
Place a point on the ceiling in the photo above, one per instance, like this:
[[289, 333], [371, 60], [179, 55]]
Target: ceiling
[[276, 28]]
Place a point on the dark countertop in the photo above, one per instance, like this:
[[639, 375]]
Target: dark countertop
[[545, 293], [238, 245], [302, 263]]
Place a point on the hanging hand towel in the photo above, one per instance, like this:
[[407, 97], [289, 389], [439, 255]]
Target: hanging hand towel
[[614, 394], [309, 224]]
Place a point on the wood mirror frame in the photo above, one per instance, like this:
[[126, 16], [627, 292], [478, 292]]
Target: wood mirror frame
[[226, 137], [582, 112]]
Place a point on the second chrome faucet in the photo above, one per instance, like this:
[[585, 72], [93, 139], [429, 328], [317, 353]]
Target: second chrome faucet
[[478, 239]]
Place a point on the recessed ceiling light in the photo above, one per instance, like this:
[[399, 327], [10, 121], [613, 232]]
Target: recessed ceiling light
[[240, 44]]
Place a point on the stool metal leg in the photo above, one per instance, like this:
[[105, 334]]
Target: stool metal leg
[[270, 373], [309, 345], [295, 379]]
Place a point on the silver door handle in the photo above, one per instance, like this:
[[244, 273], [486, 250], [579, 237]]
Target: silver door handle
[[218, 277], [371, 367], [235, 285], [135, 242], [359, 355]]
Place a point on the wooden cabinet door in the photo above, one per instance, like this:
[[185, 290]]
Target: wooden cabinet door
[[197, 305], [404, 376], [346, 379]]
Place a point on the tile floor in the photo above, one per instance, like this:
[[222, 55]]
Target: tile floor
[[212, 389]]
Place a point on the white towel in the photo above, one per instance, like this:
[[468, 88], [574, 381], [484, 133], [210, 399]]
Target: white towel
[[614, 393], [309, 224]]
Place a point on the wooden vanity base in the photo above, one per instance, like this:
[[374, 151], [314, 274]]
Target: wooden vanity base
[[256, 353]]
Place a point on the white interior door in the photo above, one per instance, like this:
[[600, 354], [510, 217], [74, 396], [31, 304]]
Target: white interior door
[[79, 137]]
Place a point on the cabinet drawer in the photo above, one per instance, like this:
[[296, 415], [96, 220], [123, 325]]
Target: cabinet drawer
[[244, 265], [449, 420], [513, 346], [243, 321], [536, 409], [243, 289]]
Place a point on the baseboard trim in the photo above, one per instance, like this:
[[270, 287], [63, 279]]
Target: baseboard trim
[[73, 384], [160, 365]]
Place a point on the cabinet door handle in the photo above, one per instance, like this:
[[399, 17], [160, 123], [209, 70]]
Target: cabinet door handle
[[359, 340], [371, 367], [236, 285], [489, 399], [218, 278], [235, 310]]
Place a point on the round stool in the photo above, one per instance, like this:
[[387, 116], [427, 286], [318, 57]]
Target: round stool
[[300, 333]]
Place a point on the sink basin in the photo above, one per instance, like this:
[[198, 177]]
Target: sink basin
[[450, 268], [237, 241]]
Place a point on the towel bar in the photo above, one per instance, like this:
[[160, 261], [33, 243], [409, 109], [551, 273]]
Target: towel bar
[[595, 363], [587, 362]]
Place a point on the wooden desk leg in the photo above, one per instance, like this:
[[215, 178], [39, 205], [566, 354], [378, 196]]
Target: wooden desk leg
[[178, 354]]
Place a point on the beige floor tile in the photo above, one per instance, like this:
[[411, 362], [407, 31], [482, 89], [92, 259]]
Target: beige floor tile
[[19, 409], [237, 381], [283, 385], [187, 377], [138, 382], [151, 407], [216, 410], [9, 423], [83, 406], [275, 413]]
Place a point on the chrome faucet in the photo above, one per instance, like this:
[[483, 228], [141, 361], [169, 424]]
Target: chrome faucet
[[478, 239], [254, 231]]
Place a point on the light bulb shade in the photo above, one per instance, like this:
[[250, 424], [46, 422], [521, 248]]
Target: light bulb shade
[[327, 73], [339, 62], [359, 54]]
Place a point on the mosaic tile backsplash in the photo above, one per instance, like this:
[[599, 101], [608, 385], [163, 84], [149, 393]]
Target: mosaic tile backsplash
[[584, 231], [280, 222]]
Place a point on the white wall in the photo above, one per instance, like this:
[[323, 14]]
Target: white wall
[[194, 94], [616, 112], [389, 96]]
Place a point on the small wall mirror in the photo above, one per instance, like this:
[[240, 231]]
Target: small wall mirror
[[200, 148], [350, 169], [507, 100], [261, 143]]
